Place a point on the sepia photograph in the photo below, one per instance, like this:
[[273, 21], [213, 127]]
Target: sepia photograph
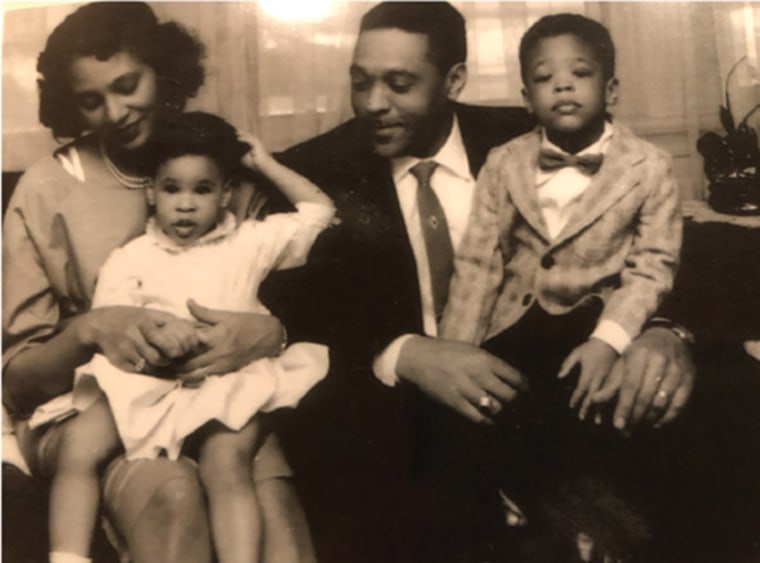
[[330, 281]]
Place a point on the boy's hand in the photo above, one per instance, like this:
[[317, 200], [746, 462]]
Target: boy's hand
[[596, 359], [258, 157]]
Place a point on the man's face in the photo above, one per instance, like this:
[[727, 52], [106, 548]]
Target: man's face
[[399, 95]]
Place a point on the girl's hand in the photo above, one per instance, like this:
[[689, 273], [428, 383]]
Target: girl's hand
[[177, 336], [131, 337], [258, 158]]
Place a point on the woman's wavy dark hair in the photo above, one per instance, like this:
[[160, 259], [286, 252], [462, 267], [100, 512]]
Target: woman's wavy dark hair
[[101, 29]]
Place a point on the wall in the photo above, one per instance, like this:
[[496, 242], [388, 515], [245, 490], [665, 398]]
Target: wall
[[287, 79]]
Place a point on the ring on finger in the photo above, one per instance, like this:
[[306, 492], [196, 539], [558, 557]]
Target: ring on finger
[[487, 403], [140, 365], [662, 395]]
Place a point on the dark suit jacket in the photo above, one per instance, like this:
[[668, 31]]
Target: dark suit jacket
[[364, 267], [358, 292]]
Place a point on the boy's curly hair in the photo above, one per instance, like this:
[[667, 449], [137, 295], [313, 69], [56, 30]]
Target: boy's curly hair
[[589, 31], [101, 29]]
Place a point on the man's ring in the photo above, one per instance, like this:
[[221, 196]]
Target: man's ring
[[662, 395], [140, 365], [486, 403]]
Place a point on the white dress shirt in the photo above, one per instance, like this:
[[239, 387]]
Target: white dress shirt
[[559, 191], [454, 186]]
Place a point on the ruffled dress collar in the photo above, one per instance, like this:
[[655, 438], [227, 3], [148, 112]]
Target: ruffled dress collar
[[224, 228]]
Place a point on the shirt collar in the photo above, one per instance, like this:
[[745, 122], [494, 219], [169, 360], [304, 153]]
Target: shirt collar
[[598, 147], [452, 156], [226, 225]]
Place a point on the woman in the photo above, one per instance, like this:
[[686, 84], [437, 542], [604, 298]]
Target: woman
[[109, 70]]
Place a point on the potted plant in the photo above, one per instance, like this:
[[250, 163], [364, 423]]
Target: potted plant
[[732, 161]]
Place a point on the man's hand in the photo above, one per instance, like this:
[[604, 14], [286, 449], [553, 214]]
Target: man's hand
[[595, 358], [655, 376], [230, 341], [460, 375]]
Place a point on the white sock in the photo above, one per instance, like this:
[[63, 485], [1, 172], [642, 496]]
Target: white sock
[[63, 557]]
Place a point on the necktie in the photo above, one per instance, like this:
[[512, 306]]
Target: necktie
[[435, 230], [589, 164]]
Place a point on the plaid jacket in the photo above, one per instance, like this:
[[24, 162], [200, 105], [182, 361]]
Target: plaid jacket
[[622, 244]]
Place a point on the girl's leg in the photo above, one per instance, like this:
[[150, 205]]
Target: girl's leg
[[225, 459], [81, 449], [286, 537]]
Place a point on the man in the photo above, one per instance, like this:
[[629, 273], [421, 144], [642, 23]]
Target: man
[[375, 285]]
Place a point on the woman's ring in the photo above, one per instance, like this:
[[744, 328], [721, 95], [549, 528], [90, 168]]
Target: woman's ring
[[662, 394], [486, 403], [140, 365]]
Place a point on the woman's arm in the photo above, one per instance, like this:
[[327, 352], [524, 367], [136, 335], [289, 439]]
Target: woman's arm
[[41, 371], [292, 185]]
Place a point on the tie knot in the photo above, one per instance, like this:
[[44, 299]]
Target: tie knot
[[549, 160], [423, 170]]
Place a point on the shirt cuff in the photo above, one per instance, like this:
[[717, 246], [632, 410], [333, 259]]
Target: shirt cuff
[[386, 361], [613, 334], [315, 213]]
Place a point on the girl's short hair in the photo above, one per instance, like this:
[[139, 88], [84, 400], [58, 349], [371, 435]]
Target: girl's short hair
[[195, 133], [102, 29]]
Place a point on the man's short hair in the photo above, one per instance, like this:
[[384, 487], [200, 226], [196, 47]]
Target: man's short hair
[[589, 31], [443, 25]]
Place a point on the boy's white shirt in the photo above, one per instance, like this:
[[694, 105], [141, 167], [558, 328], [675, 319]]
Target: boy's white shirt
[[558, 193]]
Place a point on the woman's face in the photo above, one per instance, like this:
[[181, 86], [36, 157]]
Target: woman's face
[[116, 98]]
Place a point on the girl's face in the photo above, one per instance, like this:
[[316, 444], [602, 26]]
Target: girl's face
[[189, 193], [117, 98]]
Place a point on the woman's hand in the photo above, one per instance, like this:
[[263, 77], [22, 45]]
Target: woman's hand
[[133, 338], [230, 341]]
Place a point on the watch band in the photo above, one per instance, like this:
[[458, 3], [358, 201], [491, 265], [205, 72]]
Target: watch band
[[683, 333]]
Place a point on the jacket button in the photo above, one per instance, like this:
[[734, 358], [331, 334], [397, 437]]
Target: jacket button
[[526, 299], [547, 262]]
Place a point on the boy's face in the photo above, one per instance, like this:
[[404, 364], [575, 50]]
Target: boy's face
[[565, 86], [188, 193]]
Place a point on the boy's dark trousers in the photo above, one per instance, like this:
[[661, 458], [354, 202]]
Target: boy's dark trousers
[[566, 475]]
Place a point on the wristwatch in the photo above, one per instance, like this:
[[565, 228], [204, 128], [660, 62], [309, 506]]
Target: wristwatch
[[683, 333]]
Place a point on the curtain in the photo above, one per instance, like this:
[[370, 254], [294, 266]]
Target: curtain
[[280, 68]]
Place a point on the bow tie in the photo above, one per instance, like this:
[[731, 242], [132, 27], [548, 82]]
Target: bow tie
[[589, 164]]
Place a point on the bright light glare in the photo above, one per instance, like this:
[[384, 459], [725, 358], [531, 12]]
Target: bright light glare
[[294, 10]]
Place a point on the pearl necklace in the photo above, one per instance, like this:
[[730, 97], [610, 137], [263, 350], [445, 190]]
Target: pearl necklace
[[129, 182]]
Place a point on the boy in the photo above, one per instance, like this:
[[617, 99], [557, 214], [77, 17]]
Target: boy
[[571, 246], [575, 220]]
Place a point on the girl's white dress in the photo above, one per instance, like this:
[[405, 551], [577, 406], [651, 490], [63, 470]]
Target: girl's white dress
[[222, 271]]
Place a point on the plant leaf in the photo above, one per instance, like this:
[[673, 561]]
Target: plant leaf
[[726, 119]]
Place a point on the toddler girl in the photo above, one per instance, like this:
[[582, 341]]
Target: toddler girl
[[193, 250]]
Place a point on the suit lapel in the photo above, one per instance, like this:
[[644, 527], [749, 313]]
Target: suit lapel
[[618, 174], [520, 180]]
